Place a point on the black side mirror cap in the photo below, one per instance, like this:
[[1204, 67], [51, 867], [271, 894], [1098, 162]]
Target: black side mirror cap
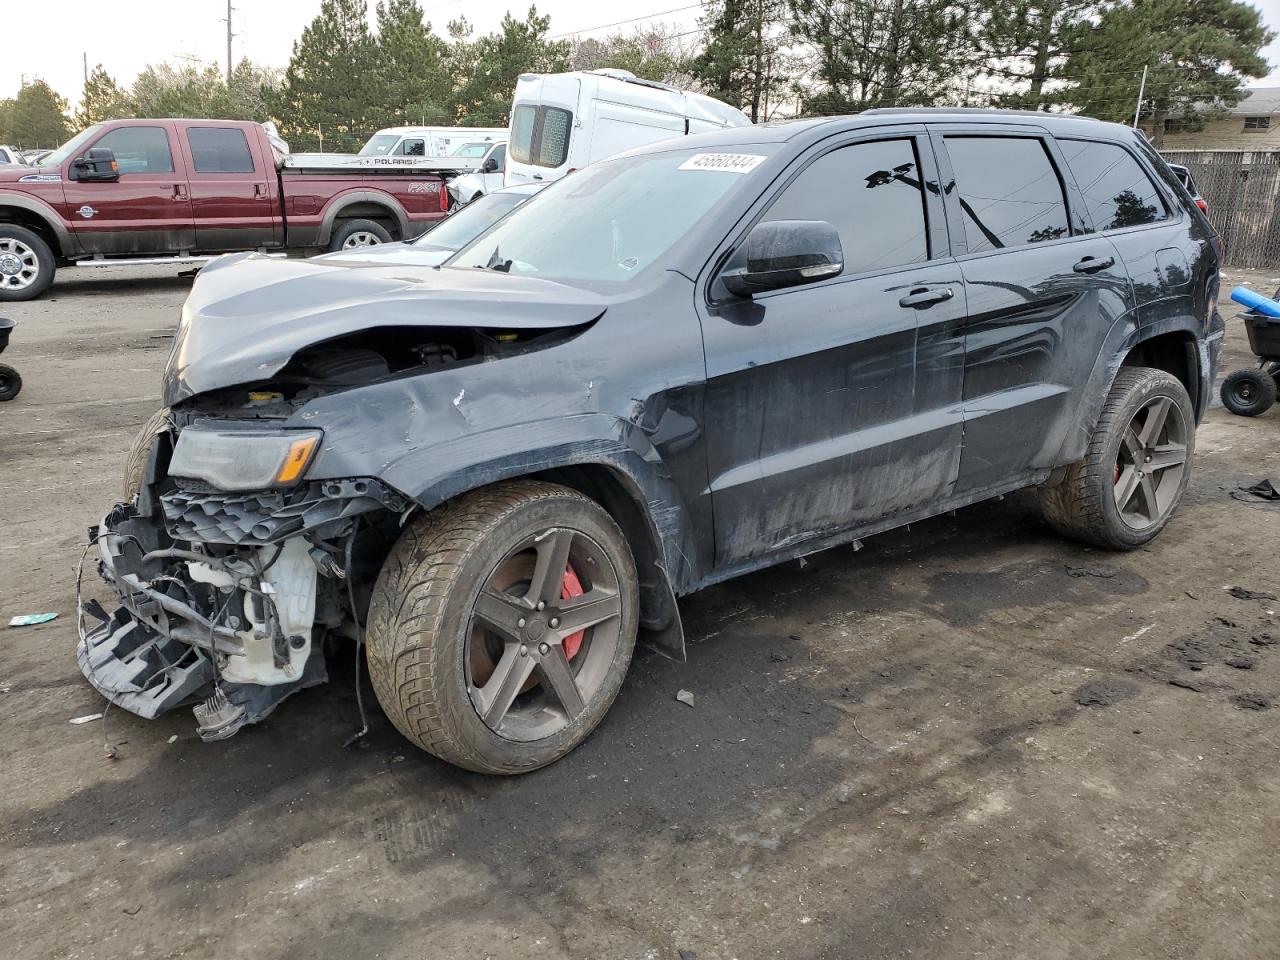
[[784, 253], [98, 164]]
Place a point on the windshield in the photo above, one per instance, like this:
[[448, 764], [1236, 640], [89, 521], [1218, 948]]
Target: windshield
[[472, 150], [70, 148], [610, 222], [471, 221], [379, 145]]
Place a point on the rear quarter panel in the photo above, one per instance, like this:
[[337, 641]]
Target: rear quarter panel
[[313, 201]]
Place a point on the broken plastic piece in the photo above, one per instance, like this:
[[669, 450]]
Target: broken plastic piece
[[87, 718], [685, 697], [27, 619]]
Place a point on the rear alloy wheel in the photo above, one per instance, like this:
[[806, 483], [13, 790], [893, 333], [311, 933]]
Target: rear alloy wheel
[[1135, 468], [26, 263], [501, 626], [358, 233], [1248, 393]]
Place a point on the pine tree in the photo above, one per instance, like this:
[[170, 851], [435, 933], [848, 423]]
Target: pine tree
[[6, 116], [1197, 53], [411, 76], [39, 117], [872, 53], [742, 61], [326, 90], [103, 100], [1027, 42], [520, 46]]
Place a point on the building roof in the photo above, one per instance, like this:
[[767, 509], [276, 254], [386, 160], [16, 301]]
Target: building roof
[[1260, 100]]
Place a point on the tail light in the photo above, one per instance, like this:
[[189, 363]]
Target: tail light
[[1204, 207], [571, 170], [444, 197]]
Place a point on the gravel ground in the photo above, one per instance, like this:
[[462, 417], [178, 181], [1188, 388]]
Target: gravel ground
[[970, 739]]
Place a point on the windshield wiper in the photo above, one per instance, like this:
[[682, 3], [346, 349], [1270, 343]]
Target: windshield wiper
[[497, 263]]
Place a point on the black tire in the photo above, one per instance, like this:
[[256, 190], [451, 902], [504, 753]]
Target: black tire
[[135, 463], [1084, 505], [424, 635], [344, 232], [1248, 393], [26, 263], [476, 196], [10, 383]]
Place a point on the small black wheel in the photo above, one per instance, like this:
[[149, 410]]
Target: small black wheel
[[135, 463], [1248, 393], [10, 382], [501, 626], [476, 196], [358, 233], [1135, 468], [26, 263]]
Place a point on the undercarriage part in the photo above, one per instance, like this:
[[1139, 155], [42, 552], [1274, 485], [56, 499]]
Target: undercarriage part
[[233, 705]]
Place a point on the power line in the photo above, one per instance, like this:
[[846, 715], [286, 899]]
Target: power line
[[619, 23]]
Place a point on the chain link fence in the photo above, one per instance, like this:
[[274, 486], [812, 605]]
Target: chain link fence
[[1242, 189]]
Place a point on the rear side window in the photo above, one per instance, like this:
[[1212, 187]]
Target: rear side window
[[872, 194], [540, 135], [411, 148], [219, 150], [1008, 190], [139, 149], [1117, 191]]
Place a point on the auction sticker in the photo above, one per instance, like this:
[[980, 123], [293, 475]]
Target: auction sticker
[[730, 162]]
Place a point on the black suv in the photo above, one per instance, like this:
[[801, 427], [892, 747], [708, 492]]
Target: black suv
[[691, 361]]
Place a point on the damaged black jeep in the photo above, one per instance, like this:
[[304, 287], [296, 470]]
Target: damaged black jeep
[[671, 368]]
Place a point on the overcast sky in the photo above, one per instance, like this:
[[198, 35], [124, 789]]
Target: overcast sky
[[48, 41]]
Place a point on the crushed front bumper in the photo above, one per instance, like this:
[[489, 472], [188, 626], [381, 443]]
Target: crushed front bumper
[[223, 600]]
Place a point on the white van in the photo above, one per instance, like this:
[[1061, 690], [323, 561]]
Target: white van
[[561, 122], [427, 141]]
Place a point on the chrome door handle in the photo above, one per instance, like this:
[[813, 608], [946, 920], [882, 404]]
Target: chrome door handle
[[1094, 264], [922, 297]]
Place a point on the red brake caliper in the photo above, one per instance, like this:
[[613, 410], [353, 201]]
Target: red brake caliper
[[571, 588]]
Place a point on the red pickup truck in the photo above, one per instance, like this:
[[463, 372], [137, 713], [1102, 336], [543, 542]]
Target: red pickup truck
[[161, 191]]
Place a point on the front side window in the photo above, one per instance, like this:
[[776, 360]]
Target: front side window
[[1008, 190], [540, 135], [379, 145], [1117, 191], [139, 149], [411, 148], [872, 194], [219, 150], [608, 224], [499, 156]]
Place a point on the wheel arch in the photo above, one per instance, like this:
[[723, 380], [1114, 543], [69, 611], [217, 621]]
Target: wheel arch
[[1175, 353], [40, 218], [364, 205]]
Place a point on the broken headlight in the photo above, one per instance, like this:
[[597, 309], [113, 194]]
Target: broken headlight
[[243, 459]]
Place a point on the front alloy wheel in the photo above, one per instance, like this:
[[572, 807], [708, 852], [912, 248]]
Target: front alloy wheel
[[502, 624]]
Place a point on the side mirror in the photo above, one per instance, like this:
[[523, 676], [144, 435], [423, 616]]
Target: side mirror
[[98, 164], [784, 253], [490, 165]]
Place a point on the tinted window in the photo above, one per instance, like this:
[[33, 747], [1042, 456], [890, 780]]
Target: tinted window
[[139, 149], [872, 194], [411, 148], [1117, 191], [1008, 190], [219, 150], [540, 135]]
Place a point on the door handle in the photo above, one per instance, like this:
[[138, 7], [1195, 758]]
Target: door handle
[[922, 297], [259, 190], [1094, 264], [537, 176], [179, 191]]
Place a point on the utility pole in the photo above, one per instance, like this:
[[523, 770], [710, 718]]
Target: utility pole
[[1142, 88], [86, 68], [229, 36]]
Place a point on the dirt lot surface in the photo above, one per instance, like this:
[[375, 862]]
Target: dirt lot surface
[[970, 739]]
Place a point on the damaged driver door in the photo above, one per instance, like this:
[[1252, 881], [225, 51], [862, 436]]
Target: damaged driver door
[[835, 404]]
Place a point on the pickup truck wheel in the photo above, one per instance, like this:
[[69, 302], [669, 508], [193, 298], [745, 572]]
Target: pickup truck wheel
[[501, 626], [135, 463], [1248, 393], [1136, 467], [358, 233], [26, 263]]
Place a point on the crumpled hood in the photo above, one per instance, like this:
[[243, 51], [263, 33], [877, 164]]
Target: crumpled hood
[[248, 314]]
